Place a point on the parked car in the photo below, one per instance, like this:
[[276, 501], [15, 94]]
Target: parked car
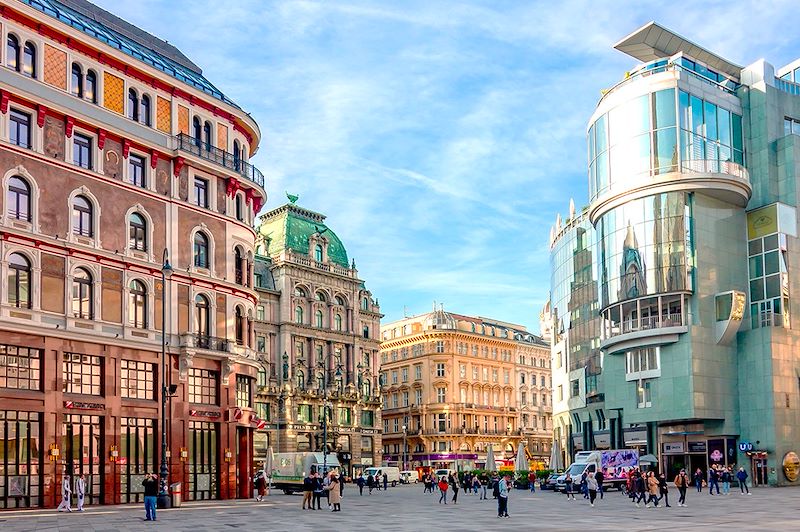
[[550, 482], [409, 477]]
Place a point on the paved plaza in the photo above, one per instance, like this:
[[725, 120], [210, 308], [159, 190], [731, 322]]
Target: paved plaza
[[407, 508]]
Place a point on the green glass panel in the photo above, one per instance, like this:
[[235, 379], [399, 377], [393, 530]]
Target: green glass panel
[[685, 110], [770, 242], [736, 133], [724, 126], [773, 286], [771, 262], [757, 290], [601, 138], [710, 117], [666, 150], [664, 108], [697, 115], [756, 267]]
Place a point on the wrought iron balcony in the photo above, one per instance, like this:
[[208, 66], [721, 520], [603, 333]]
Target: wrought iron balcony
[[212, 343], [223, 158]]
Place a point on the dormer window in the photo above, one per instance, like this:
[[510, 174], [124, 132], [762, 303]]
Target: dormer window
[[318, 253]]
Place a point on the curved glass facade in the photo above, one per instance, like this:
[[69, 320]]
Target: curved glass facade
[[645, 247], [574, 297], [658, 133]]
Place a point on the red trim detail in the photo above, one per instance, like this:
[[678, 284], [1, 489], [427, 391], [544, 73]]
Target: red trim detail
[[4, 102], [177, 165], [101, 138], [232, 186], [126, 148], [153, 159], [69, 123], [41, 113]]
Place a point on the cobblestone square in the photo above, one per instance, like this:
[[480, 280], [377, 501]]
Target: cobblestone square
[[407, 508]]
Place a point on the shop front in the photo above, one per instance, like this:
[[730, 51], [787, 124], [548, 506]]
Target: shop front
[[22, 456], [692, 449]]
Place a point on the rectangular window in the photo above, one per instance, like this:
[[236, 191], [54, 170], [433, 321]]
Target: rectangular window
[[203, 386], [260, 313], [475, 373], [642, 363], [418, 397], [137, 379], [494, 375], [486, 374], [523, 398], [395, 402], [440, 369], [405, 398], [575, 388], [366, 445], [263, 411], [136, 170], [261, 344], [201, 192], [20, 128], [506, 377], [560, 392], [462, 371], [643, 397], [394, 376], [404, 374], [82, 151], [244, 391], [367, 418], [82, 374], [345, 416], [304, 413], [20, 368], [440, 347], [441, 395]]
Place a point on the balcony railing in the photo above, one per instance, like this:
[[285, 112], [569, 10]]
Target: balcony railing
[[212, 343], [715, 166], [223, 158], [651, 322]]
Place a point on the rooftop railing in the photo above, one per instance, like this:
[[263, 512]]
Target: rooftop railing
[[223, 158]]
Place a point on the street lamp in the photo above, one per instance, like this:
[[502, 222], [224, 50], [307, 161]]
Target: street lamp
[[166, 273], [404, 447], [324, 374]]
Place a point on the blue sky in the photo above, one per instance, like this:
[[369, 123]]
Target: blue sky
[[439, 137]]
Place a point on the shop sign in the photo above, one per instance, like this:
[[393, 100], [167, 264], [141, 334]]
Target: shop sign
[[369, 431], [745, 446], [674, 448], [366, 461], [791, 466], [204, 413], [75, 405], [697, 446]]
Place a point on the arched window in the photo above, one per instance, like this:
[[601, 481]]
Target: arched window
[[298, 314], [90, 89], [19, 281], [366, 388], [77, 81], [12, 52], [239, 326], [236, 158], [239, 207], [29, 60], [18, 199], [238, 264], [133, 105], [82, 295], [365, 304], [137, 304], [299, 292], [207, 135], [200, 250], [301, 380], [320, 296], [337, 321], [318, 253], [82, 223], [318, 319], [137, 232], [145, 111], [202, 315], [198, 130], [339, 301]]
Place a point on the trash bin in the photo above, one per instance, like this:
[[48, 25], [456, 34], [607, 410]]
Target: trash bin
[[175, 491]]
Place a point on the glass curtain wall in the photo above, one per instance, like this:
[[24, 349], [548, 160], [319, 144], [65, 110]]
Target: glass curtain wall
[[21, 456], [643, 137]]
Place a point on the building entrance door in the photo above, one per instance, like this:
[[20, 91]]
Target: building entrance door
[[20, 459], [244, 463], [203, 467], [137, 456], [760, 472], [83, 453]]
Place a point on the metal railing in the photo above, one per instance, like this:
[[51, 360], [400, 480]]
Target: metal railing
[[651, 322], [715, 166], [223, 158], [787, 86], [212, 343]]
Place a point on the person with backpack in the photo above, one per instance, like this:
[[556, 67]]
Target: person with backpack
[[360, 483], [370, 483], [591, 488], [583, 485], [502, 497], [682, 483], [663, 489], [495, 486], [443, 490]]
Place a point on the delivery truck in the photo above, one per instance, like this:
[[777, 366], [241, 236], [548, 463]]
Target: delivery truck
[[615, 465], [290, 469]]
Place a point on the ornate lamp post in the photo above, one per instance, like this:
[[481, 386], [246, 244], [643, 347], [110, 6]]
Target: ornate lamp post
[[166, 273], [323, 374], [405, 433]]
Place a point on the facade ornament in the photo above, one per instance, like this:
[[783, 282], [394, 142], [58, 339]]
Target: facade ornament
[[227, 370], [185, 362]]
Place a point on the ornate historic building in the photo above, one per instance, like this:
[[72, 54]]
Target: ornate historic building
[[317, 340], [453, 385], [116, 156]]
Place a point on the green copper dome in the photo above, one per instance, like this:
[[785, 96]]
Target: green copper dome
[[290, 227]]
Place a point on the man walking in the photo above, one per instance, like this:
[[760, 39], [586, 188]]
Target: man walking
[[725, 476], [385, 482], [453, 480], [532, 481], [360, 483], [370, 483], [741, 476], [682, 482], [150, 484], [308, 489], [600, 478], [698, 480], [66, 494], [484, 480], [502, 497], [80, 490], [378, 481], [713, 480]]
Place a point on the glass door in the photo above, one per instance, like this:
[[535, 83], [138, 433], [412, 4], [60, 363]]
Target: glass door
[[20, 459], [203, 468], [82, 445], [136, 456]]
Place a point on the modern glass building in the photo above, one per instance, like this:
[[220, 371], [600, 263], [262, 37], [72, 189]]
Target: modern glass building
[[692, 188]]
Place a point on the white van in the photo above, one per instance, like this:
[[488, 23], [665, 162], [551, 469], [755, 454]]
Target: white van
[[408, 477], [443, 473], [392, 473]]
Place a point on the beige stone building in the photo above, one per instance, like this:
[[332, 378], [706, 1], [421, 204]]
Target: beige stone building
[[316, 330], [454, 385]]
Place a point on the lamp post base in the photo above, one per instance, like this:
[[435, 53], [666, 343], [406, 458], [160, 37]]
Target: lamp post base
[[163, 502]]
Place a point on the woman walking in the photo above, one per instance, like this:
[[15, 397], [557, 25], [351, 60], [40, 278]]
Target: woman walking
[[663, 489], [591, 486], [682, 483], [652, 490], [453, 480], [443, 490], [568, 487], [261, 486]]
